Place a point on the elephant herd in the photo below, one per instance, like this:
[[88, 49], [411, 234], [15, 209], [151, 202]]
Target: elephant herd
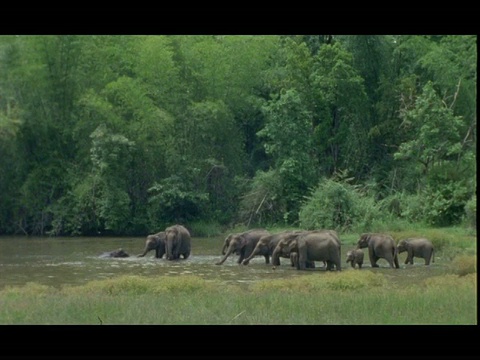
[[301, 247]]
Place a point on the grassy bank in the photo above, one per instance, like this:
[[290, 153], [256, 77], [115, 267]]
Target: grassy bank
[[349, 297]]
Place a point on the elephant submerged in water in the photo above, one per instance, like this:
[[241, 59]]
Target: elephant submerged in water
[[307, 247], [119, 253], [177, 242], [419, 247], [379, 246], [155, 242], [241, 244]]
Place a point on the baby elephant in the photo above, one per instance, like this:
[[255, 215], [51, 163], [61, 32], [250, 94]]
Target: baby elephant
[[419, 247], [119, 253], [355, 257]]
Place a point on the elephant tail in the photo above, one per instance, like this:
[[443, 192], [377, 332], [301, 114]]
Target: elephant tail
[[433, 255]]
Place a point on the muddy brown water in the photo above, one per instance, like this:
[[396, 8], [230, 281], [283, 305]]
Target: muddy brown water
[[75, 261]]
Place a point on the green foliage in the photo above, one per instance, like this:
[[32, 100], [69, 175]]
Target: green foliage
[[262, 202], [338, 205], [175, 200], [201, 228], [471, 211], [232, 128], [437, 131], [288, 141]]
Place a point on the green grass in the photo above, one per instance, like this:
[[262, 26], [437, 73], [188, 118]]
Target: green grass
[[350, 297]]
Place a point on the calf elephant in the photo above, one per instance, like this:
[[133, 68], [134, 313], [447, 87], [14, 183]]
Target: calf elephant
[[419, 247], [157, 242], [355, 257], [294, 261], [119, 253], [310, 247], [266, 245], [379, 246], [177, 242], [241, 244]]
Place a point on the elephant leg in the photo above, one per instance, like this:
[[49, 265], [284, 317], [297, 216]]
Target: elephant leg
[[410, 256], [241, 257], [395, 260], [427, 259], [373, 257], [267, 259]]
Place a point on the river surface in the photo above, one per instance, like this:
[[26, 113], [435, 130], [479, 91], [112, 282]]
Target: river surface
[[76, 260], [57, 261]]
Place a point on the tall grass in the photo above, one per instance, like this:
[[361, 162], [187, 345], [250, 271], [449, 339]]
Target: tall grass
[[349, 297]]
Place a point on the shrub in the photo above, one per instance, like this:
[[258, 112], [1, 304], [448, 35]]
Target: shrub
[[464, 264], [353, 280], [139, 285], [204, 229], [471, 212], [340, 206]]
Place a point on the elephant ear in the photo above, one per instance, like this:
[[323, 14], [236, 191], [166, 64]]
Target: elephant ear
[[243, 241]]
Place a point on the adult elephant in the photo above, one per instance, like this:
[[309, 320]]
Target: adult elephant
[[119, 253], [379, 246], [155, 242], [419, 247], [241, 244], [266, 245], [177, 242], [310, 247]]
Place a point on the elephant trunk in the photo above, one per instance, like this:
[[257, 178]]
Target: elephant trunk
[[224, 248], [144, 253], [247, 260], [276, 257], [227, 254], [169, 247]]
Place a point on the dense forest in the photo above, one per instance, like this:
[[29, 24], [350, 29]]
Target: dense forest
[[124, 135]]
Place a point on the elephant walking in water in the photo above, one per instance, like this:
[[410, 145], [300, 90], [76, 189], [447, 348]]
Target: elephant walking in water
[[157, 242], [177, 242], [307, 247], [241, 244], [355, 257], [419, 247], [379, 246], [265, 246]]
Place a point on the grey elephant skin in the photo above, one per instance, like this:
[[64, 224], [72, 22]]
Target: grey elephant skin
[[419, 247], [379, 246], [355, 257], [177, 242], [241, 244], [155, 242], [119, 253], [310, 247], [266, 245]]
